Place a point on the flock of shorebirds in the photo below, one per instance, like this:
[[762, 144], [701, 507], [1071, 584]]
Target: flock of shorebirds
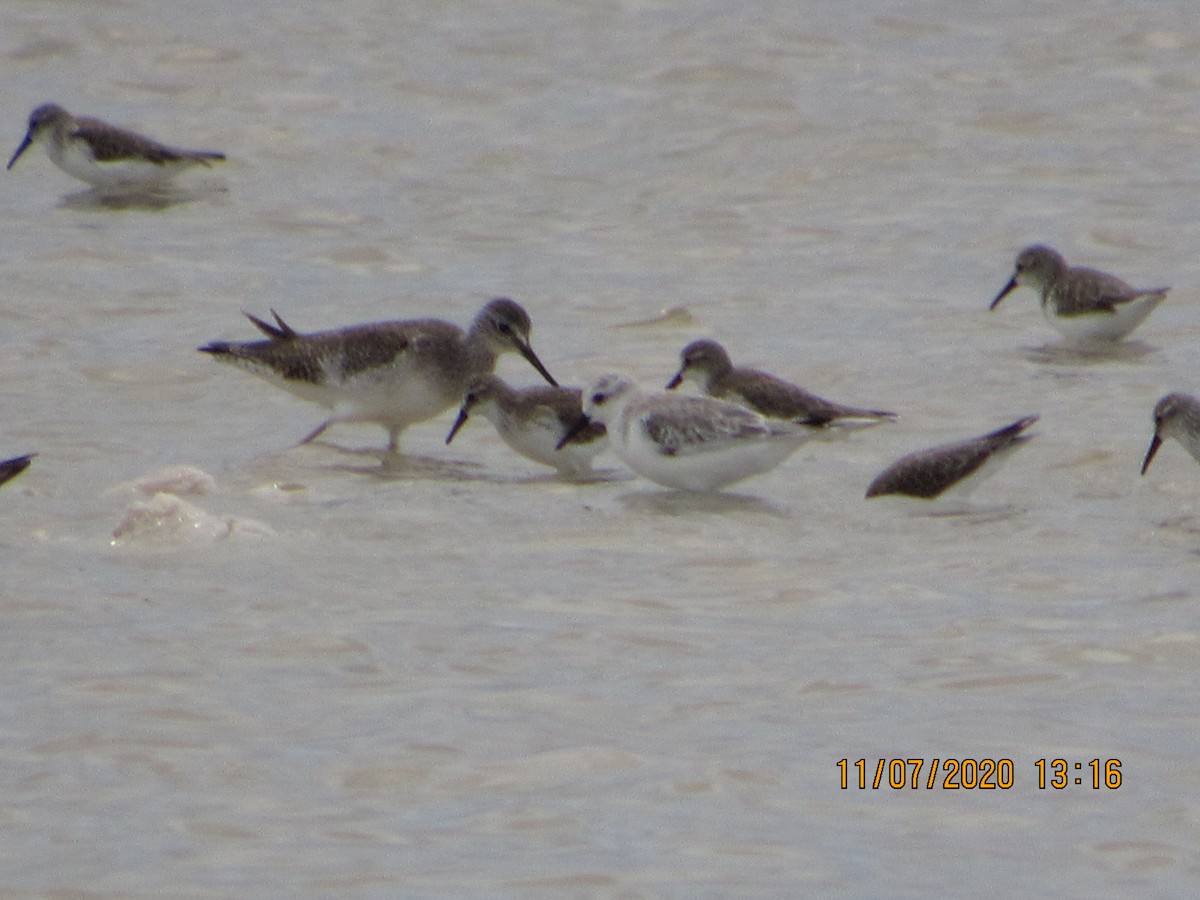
[[744, 421]]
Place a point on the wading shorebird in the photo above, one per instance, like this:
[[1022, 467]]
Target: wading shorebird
[[957, 468], [685, 442], [533, 420], [706, 363], [104, 155], [391, 373], [1084, 305]]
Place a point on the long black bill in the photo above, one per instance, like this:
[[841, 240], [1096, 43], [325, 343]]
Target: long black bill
[[24, 146], [676, 381], [527, 352], [1008, 289], [580, 424], [1155, 443], [458, 423]]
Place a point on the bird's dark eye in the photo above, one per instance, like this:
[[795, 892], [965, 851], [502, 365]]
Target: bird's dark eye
[[504, 328], [598, 399]]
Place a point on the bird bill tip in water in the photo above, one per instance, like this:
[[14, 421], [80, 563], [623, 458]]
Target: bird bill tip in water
[[580, 424], [458, 423], [1155, 443], [21, 149], [1004, 292]]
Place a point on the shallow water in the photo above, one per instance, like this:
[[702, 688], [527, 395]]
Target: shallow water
[[463, 677]]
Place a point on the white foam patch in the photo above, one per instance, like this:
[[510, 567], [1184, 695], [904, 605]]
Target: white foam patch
[[168, 520]]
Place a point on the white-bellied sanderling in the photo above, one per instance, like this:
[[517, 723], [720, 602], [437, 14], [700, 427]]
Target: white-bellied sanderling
[[686, 442]]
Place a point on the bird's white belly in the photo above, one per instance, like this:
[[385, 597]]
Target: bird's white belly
[[76, 159], [707, 469], [393, 395], [1103, 326], [537, 441]]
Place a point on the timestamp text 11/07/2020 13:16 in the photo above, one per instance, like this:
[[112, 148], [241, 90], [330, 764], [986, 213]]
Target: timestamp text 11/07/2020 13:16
[[975, 774]]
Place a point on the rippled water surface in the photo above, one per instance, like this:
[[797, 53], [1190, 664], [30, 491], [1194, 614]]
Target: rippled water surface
[[295, 672]]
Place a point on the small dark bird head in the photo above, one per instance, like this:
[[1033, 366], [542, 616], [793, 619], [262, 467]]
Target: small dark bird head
[[506, 326], [1036, 266], [1169, 413], [701, 360], [41, 121]]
